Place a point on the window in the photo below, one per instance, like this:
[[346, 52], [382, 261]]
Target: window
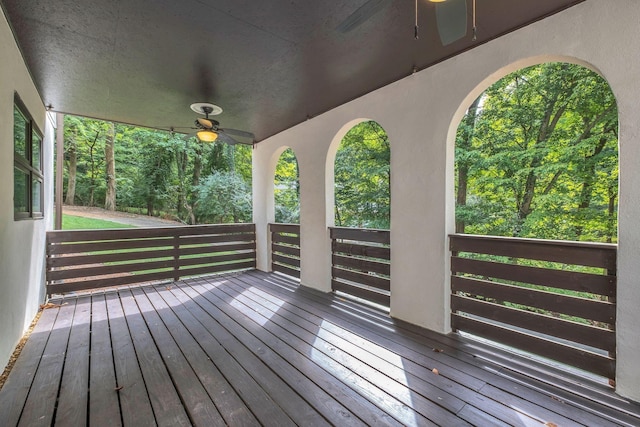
[[27, 164]]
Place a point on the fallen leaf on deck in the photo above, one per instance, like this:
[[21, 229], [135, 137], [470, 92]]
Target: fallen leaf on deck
[[168, 288], [551, 425], [119, 388], [435, 371], [50, 305], [438, 350]]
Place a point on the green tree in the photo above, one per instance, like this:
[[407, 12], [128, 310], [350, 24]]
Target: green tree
[[223, 197], [287, 189], [542, 161], [363, 178]]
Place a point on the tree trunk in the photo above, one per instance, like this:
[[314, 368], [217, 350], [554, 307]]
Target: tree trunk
[[463, 166], [72, 167], [110, 169]]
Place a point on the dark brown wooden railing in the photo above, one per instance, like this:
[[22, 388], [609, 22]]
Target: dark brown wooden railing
[[285, 249], [562, 308], [361, 263], [89, 259]]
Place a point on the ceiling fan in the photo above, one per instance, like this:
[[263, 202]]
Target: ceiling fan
[[209, 130], [451, 18]]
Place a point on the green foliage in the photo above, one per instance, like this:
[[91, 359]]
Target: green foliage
[[363, 178], [287, 189], [539, 157], [223, 197]]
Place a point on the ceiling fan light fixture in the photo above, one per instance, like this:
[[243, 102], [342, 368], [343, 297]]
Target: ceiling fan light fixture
[[207, 135], [437, 1]]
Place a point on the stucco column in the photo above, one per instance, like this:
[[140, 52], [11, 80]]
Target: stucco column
[[315, 209], [263, 213], [628, 294]]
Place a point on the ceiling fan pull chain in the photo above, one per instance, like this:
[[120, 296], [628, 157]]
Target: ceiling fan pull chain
[[415, 29], [474, 22]]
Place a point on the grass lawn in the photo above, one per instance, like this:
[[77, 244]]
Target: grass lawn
[[71, 222]]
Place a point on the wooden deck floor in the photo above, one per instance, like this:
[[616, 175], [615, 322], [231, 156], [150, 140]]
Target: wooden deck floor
[[254, 349]]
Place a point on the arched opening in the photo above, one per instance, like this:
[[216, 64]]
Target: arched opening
[[285, 231], [362, 201], [537, 156], [363, 178], [536, 163], [286, 191]]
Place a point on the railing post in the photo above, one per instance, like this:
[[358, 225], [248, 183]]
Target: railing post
[[176, 257]]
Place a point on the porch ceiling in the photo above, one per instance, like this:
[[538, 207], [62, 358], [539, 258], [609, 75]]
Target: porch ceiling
[[269, 65]]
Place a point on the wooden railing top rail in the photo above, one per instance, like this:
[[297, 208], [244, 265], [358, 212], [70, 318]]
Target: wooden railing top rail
[[361, 234], [284, 228], [601, 255], [61, 236]]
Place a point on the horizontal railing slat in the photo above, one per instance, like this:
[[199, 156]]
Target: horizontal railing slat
[[286, 270], [232, 266], [360, 292], [285, 228], [288, 250], [601, 255], [600, 311], [569, 280], [103, 270], [110, 281], [362, 264], [290, 240], [60, 236], [381, 283], [77, 260], [583, 359], [217, 248], [595, 337], [362, 250], [76, 248], [216, 238], [288, 261], [361, 235], [213, 259]]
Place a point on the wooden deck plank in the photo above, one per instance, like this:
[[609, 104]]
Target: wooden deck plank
[[74, 389], [294, 353], [135, 405], [14, 393], [384, 360], [104, 409], [452, 356], [258, 349], [417, 371], [39, 408], [316, 342], [231, 406], [413, 347], [295, 406], [167, 407], [197, 402], [256, 398]]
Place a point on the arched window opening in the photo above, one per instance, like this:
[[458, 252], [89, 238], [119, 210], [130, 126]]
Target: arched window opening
[[361, 254], [536, 158], [286, 191], [363, 178]]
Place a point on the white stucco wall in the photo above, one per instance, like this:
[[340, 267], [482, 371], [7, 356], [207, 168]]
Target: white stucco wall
[[22, 243], [420, 114]]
